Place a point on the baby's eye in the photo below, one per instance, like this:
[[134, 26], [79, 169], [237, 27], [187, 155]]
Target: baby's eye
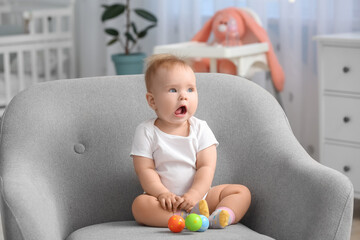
[[190, 90], [172, 90]]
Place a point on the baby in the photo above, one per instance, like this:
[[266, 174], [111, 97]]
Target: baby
[[175, 156]]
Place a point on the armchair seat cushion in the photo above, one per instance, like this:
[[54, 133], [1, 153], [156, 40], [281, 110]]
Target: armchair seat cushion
[[131, 230]]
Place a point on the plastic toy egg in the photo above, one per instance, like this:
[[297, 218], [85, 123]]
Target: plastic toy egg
[[193, 222], [205, 223], [176, 223]]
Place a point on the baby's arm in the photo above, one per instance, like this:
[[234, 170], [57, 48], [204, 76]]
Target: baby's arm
[[152, 185], [205, 164]]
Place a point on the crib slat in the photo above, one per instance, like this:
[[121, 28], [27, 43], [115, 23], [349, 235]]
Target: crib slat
[[44, 25], [7, 76], [60, 63], [58, 24], [72, 56], [47, 63], [34, 71], [20, 60], [30, 22]]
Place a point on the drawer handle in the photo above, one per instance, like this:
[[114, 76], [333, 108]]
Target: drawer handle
[[346, 119], [346, 69], [346, 168]]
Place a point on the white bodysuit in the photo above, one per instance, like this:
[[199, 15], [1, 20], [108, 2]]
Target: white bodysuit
[[174, 156]]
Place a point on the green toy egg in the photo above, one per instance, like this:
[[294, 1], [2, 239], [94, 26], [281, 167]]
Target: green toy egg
[[193, 222]]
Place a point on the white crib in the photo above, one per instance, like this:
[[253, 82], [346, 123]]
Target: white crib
[[36, 45]]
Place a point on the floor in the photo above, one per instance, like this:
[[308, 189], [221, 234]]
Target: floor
[[355, 232]]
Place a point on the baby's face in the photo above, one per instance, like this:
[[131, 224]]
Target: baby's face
[[174, 93]]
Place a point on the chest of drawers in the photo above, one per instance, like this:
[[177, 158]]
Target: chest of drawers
[[339, 104]]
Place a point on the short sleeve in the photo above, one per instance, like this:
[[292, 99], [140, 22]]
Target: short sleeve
[[142, 143], [206, 137]]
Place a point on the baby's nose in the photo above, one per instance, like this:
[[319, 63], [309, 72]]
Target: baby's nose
[[183, 96]]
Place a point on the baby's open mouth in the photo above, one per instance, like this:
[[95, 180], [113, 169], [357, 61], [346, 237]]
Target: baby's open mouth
[[181, 110]]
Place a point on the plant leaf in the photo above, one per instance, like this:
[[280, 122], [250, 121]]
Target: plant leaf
[[112, 41], [144, 32], [145, 14], [130, 37], [112, 11], [112, 32], [134, 28]]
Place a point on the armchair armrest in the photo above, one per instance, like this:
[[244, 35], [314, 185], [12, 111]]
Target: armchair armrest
[[295, 196], [41, 210]]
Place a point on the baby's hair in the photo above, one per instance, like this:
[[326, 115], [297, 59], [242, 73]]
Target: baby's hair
[[154, 62]]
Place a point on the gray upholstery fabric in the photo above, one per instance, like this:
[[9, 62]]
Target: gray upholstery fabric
[[131, 230], [65, 164]]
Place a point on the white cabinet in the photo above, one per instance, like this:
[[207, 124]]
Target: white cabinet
[[339, 99]]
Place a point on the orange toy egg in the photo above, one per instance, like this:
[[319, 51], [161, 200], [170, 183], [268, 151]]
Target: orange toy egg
[[176, 223]]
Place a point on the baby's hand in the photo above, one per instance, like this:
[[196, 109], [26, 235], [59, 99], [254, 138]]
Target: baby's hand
[[190, 199], [167, 201], [179, 200]]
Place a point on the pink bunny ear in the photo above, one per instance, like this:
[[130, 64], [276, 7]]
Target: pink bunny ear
[[276, 70], [204, 34]]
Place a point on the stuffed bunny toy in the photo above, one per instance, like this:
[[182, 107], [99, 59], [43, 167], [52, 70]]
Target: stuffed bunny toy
[[231, 27]]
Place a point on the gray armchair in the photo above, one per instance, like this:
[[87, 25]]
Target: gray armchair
[[66, 171]]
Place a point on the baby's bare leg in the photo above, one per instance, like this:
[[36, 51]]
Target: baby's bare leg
[[234, 196], [148, 211]]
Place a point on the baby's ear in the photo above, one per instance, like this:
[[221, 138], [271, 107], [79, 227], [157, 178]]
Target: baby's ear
[[151, 101]]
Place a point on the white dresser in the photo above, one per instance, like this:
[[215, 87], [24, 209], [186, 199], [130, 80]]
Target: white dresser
[[339, 104]]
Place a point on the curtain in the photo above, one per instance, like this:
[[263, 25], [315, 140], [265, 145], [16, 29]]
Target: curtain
[[291, 26]]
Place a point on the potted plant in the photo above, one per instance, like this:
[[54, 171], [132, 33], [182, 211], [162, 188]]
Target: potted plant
[[127, 62]]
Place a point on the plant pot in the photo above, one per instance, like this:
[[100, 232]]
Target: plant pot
[[128, 64]]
